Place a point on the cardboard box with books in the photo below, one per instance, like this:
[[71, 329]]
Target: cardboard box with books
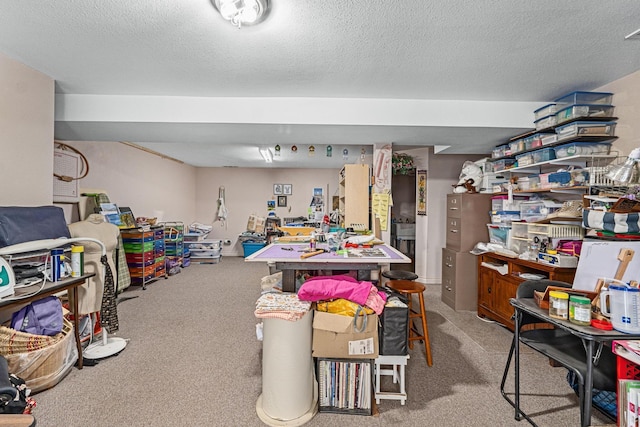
[[338, 336]]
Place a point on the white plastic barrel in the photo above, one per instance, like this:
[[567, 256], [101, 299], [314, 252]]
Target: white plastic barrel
[[288, 385]]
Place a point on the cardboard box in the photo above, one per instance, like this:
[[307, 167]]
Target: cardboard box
[[334, 336], [542, 298]]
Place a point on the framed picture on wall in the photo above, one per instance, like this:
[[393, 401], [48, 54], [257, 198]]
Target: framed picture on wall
[[277, 189], [422, 192], [282, 201], [287, 189]]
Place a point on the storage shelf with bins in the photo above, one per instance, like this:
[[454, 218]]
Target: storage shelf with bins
[[345, 386], [533, 160], [523, 233], [173, 244]]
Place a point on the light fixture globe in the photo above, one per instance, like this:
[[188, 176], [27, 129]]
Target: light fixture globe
[[242, 12]]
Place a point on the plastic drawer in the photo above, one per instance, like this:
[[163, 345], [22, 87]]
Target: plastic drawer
[[545, 111], [577, 111], [582, 149], [585, 129], [582, 97], [543, 155]]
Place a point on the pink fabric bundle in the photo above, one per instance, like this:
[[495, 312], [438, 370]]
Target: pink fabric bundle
[[341, 286]]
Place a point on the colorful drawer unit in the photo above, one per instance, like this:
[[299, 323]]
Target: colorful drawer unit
[[142, 255], [586, 128], [572, 112]]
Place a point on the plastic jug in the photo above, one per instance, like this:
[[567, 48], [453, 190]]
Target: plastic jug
[[621, 307]]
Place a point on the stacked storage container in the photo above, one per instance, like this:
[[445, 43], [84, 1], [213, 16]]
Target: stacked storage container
[[173, 246], [205, 251]]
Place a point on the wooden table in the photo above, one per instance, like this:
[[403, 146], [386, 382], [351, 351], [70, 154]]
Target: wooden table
[[50, 288], [286, 257]]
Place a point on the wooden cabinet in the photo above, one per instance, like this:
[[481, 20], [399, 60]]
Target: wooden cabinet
[[353, 184], [467, 216], [495, 289]]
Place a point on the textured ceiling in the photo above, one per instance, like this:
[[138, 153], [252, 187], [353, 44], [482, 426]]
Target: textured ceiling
[[520, 54]]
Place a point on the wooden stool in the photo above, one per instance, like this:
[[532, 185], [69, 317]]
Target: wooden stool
[[408, 288]]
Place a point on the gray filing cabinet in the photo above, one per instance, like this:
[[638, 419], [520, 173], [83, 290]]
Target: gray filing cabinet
[[467, 218]]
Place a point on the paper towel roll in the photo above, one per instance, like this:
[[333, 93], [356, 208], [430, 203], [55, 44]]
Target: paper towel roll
[[287, 368]]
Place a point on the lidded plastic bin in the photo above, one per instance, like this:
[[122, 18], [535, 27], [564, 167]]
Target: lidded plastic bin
[[546, 122], [545, 111], [586, 110], [582, 149], [587, 128], [584, 97], [543, 155]]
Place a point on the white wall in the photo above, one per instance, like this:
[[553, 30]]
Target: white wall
[[247, 191], [26, 144]]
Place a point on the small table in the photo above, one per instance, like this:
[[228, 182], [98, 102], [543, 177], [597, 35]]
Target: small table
[[286, 257], [51, 288], [589, 336]]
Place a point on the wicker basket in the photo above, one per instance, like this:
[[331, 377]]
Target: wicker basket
[[42, 361]]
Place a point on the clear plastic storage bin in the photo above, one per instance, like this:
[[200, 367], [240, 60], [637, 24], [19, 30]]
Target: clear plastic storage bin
[[517, 146], [582, 149], [580, 97], [585, 129], [546, 122], [525, 159], [503, 164], [545, 111], [578, 111], [543, 155], [548, 138]]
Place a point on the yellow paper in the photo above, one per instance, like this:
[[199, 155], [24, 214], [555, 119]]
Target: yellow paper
[[380, 206]]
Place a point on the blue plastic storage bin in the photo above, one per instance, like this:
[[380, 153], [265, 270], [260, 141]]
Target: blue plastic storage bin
[[251, 247]]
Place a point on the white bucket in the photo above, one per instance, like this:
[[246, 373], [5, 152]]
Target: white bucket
[[622, 306]]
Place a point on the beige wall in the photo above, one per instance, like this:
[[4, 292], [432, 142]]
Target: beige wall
[[26, 120], [626, 98], [146, 183], [247, 191]]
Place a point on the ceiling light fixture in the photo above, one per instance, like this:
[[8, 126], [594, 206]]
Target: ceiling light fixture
[[266, 154], [242, 12]]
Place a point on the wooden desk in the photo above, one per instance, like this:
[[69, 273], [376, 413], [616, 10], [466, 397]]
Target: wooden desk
[[50, 288], [286, 257], [592, 338]]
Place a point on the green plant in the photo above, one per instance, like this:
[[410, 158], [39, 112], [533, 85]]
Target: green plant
[[402, 164]]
